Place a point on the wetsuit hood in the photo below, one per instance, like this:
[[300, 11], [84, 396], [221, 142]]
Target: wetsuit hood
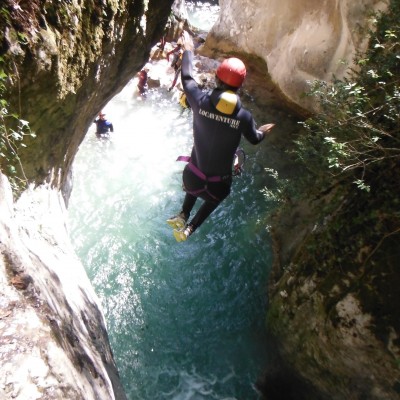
[[225, 101]]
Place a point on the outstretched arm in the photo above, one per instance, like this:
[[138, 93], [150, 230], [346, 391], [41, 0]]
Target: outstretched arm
[[265, 129], [187, 42], [256, 135], [187, 62]]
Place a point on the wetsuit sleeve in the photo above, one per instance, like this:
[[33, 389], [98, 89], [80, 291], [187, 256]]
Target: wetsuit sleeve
[[189, 84], [252, 134]]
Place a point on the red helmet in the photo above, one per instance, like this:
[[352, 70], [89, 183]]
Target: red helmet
[[232, 72]]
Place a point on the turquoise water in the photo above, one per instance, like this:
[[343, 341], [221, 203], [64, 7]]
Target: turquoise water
[[186, 320], [203, 14]]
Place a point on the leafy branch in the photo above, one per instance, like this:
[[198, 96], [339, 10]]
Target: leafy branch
[[12, 132]]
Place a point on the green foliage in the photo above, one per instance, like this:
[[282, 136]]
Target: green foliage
[[349, 155], [355, 134], [12, 132], [5, 14], [276, 193], [357, 129]]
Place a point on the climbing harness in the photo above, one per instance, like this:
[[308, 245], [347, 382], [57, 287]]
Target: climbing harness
[[203, 177], [239, 160]]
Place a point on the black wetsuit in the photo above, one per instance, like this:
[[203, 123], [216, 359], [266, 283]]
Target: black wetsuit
[[219, 121], [103, 126]]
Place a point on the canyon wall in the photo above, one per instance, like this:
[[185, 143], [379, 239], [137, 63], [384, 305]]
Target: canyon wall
[[60, 63], [64, 62], [53, 337], [298, 41]]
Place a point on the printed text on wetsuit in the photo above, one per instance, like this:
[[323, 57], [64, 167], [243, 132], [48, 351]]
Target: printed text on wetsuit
[[234, 123]]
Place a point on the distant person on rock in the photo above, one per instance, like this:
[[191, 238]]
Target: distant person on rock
[[103, 127], [219, 122], [142, 83], [176, 51], [162, 43], [164, 36], [176, 63]]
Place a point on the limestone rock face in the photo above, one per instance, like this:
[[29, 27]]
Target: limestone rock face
[[332, 339], [54, 344], [299, 41], [332, 311]]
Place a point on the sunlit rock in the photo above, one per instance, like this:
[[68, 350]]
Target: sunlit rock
[[54, 343], [300, 41]]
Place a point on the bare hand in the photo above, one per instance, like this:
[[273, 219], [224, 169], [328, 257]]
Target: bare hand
[[187, 41], [266, 128]]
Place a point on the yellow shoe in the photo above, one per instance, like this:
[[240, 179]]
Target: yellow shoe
[[182, 234], [177, 222]]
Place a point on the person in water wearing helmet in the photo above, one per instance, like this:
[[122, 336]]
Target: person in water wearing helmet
[[219, 121], [103, 127]]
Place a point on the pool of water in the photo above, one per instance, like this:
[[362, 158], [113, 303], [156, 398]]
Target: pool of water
[[185, 320]]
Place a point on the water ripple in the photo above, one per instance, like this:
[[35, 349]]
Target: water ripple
[[185, 320]]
